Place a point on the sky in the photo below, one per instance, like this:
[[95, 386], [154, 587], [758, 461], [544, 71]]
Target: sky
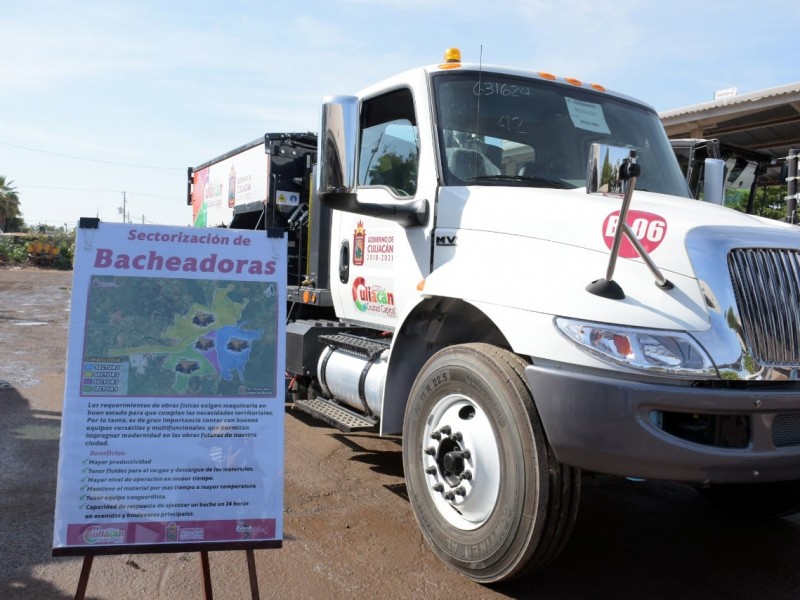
[[104, 104]]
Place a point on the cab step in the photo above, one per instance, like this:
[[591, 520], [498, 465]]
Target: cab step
[[334, 414], [369, 348]]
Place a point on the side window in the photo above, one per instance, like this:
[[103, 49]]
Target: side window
[[389, 151]]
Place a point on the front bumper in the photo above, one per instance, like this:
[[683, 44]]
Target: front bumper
[[603, 424]]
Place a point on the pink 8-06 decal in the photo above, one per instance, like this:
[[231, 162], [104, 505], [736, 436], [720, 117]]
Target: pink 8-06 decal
[[649, 228]]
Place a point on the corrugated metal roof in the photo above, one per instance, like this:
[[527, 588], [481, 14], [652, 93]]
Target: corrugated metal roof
[[733, 101], [766, 121]]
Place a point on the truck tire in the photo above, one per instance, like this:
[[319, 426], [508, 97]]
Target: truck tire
[[755, 500], [489, 496]]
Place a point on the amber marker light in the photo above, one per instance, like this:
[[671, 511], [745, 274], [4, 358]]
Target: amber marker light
[[598, 87], [452, 59], [421, 285], [573, 81], [623, 345], [546, 75], [306, 296]]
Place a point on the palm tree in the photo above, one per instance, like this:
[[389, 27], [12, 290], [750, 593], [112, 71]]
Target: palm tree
[[9, 202]]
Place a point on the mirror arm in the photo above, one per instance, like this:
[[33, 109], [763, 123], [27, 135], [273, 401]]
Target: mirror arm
[[410, 213], [661, 281], [608, 288], [623, 216]]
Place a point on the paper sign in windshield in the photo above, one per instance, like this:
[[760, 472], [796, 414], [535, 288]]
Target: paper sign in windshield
[[587, 115]]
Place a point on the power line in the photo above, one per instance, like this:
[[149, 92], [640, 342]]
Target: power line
[[95, 160], [104, 191]]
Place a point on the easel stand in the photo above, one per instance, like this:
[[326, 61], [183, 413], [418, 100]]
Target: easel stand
[[205, 569]]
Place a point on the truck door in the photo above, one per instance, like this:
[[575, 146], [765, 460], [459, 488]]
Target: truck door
[[376, 263]]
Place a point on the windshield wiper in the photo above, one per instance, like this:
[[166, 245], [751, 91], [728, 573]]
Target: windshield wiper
[[539, 181]]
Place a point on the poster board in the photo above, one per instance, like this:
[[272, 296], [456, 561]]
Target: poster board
[[172, 423]]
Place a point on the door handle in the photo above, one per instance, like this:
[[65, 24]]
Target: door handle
[[344, 262]]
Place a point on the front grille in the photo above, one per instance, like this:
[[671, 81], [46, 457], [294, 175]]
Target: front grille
[[767, 287], [786, 431]]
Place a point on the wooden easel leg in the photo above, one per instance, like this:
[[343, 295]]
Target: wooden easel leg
[[83, 581], [205, 568], [251, 571], [208, 594]]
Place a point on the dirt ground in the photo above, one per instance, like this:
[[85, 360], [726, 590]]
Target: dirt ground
[[349, 531]]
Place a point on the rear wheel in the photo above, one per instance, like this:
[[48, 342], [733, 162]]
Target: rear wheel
[[489, 496], [756, 500]]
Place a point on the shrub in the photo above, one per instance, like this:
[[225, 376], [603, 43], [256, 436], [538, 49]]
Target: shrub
[[49, 250]]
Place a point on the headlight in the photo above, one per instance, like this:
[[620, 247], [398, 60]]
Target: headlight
[[670, 353]]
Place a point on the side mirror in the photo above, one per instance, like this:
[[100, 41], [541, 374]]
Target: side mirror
[[336, 182], [714, 181], [607, 169], [338, 141]]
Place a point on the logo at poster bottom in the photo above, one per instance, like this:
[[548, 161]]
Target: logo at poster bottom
[[103, 535]]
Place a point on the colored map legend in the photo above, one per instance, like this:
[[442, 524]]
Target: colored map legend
[[104, 377]]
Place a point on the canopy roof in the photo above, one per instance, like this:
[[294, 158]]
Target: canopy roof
[[767, 121]]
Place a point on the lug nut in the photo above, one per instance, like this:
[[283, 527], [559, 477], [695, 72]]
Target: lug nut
[[445, 429], [438, 487], [436, 435], [466, 475], [466, 454], [460, 491], [430, 451], [457, 436], [431, 470], [449, 496]]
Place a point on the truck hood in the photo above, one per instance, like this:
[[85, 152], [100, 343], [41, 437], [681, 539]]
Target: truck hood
[[536, 250], [577, 219]]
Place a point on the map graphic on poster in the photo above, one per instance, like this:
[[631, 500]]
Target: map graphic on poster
[[165, 337]]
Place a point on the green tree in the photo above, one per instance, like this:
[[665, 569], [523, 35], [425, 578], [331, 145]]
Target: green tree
[[9, 203], [769, 201], [605, 178], [397, 172]]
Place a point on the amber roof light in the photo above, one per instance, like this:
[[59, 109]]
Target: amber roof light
[[452, 59], [452, 55]]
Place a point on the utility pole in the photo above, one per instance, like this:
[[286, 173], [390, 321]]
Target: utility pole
[[126, 217]]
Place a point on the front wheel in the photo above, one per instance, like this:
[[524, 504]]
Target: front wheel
[[489, 496]]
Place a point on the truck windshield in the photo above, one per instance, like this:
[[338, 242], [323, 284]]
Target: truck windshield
[[503, 130]]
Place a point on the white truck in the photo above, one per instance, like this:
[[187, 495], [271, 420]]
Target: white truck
[[506, 267]]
